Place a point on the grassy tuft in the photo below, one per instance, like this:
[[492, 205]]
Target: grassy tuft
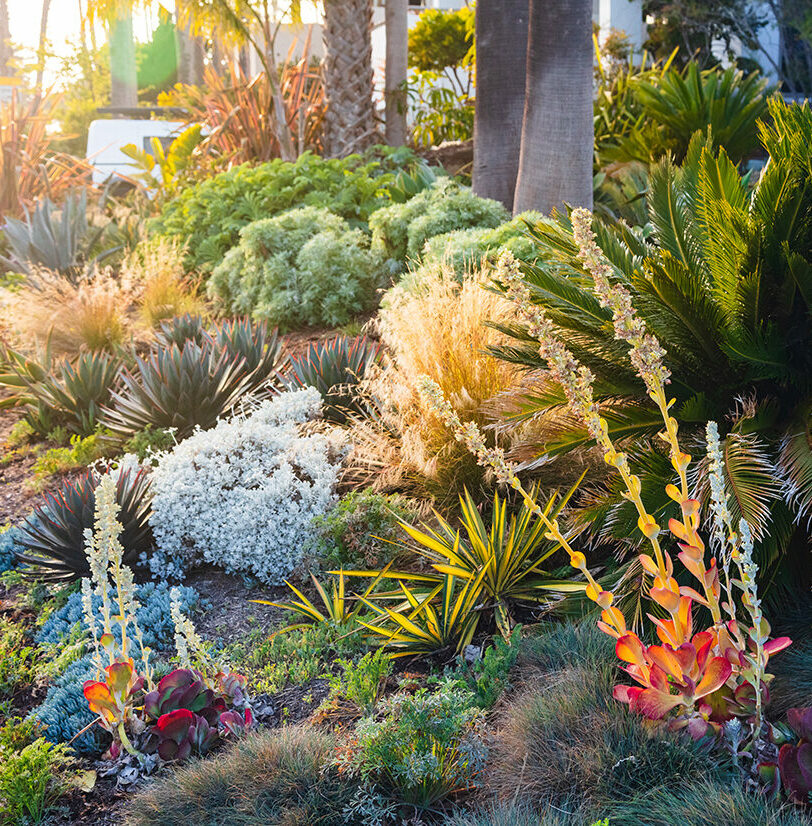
[[565, 738], [273, 778]]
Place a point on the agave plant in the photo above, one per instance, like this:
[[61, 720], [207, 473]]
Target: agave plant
[[180, 329], [723, 276], [53, 536], [335, 368], [254, 342], [59, 239], [65, 393], [177, 387]]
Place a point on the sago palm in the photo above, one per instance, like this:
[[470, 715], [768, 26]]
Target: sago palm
[[722, 274]]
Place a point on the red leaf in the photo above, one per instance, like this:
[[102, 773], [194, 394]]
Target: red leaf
[[716, 675]]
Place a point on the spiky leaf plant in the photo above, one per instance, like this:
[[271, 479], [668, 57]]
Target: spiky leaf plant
[[722, 274], [256, 343], [53, 536], [62, 393], [177, 387], [180, 329], [335, 368]]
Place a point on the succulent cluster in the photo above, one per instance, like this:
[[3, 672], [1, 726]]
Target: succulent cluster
[[193, 376], [189, 717], [335, 368], [795, 760]]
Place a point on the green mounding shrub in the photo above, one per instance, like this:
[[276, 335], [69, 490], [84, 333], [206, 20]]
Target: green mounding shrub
[[705, 803], [272, 778], [568, 739], [303, 267], [723, 278], [358, 530], [400, 231], [335, 368], [465, 249], [208, 217]]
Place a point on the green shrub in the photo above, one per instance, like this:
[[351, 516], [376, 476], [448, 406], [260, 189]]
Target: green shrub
[[465, 249], [272, 778], [294, 658], [705, 803], [488, 677], [150, 440], [421, 749], [208, 217], [304, 267], [29, 782], [17, 733], [401, 230], [358, 530], [81, 453], [17, 657], [362, 682], [570, 740]]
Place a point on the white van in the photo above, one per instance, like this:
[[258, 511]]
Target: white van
[[106, 137]]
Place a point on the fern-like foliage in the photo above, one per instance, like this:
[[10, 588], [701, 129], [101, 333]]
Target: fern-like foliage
[[722, 274]]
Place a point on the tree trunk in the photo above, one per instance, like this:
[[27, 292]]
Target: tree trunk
[[350, 117], [555, 164], [123, 75], [6, 52], [43, 42], [190, 52], [501, 63], [397, 55]]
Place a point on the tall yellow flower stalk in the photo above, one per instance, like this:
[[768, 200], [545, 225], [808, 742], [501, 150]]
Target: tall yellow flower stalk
[[720, 658]]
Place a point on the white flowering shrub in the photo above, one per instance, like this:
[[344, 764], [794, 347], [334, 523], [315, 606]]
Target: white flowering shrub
[[242, 494]]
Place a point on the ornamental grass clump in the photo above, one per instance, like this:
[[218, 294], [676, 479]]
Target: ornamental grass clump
[[696, 679]]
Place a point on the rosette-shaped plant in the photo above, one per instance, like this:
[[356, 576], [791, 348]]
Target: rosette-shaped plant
[[179, 387], [183, 688], [114, 699], [335, 368], [180, 733], [795, 761], [53, 537]]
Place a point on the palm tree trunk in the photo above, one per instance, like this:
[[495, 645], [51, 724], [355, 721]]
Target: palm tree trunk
[[43, 41], [6, 52], [555, 164], [501, 63], [123, 75], [350, 117], [190, 51], [397, 56]]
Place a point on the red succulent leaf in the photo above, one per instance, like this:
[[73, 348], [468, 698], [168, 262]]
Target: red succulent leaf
[[717, 673], [655, 704], [778, 644], [626, 693], [175, 724], [800, 719]]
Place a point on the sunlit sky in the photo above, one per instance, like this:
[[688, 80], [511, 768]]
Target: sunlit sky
[[63, 26]]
